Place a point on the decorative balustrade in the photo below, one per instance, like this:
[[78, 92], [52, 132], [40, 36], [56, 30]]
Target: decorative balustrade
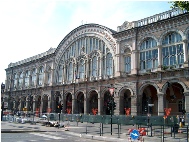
[[165, 15]]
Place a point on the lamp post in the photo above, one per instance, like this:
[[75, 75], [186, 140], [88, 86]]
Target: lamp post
[[111, 89]]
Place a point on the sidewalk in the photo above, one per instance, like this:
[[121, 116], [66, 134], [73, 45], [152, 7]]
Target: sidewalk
[[90, 131]]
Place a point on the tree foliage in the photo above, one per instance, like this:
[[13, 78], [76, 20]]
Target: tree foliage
[[184, 5]]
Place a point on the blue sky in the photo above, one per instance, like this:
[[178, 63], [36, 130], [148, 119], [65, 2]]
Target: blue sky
[[30, 27]]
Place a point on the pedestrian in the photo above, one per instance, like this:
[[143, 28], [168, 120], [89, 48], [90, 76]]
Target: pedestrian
[[57, 125], [183, 121]]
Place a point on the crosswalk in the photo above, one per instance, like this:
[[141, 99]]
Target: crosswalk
[[49, 136]]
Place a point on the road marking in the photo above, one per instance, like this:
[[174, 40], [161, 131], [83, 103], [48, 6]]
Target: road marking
[[47, 136]]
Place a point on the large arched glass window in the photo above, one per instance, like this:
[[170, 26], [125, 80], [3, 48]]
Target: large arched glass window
[[70, 72], [59, 74], [20, 80], [127, 64], [33, 78], [41, 74], [94, 66], [49, 75], [172, 51], [171, 38], [109, 64], [81, 69], [27, 73], [148, 54], [15, 77]]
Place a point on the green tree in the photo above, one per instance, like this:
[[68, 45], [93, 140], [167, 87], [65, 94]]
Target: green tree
[[184, 5]]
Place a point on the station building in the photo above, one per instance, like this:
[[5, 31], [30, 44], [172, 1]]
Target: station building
[[143, 65]]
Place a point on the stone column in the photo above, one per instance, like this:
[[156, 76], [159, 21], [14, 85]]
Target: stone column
[[133, 105], [100, 68], [20, 105], [41, 106], [185, 53], [139, 104], [99, 104], [64, 73], [34, 104], [27, 102], [134, 57], [73, 105], [117, 60], [49, 103], [160, 104], [116, 100], [186, 94], [86, 105], [64, 105]]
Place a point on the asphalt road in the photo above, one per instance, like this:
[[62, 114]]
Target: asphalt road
[[43, 137]]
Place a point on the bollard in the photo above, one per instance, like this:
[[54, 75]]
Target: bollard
[[120, 127], [86, 128], [174, 131], [151, 129], [187, 134], [118, 131], [163, 134], [100, 129]]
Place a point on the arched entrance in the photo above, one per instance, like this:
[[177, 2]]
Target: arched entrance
[[31, 103], [149, 101], [175, 98], [93, 101], [106, 101], [45, 104], [125, 101], [38, 105], [69, 103], [80, 103]]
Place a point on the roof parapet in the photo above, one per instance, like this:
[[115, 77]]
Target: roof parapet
[[165, 15], [48, 52]]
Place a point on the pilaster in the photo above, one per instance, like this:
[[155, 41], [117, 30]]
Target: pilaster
[[133, 105], [185, 42], [160, 104], [186, 94]]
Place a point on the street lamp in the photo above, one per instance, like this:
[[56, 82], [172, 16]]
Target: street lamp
[[111, 103]]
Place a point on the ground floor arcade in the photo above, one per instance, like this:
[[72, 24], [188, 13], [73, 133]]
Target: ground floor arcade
[[148, 99]]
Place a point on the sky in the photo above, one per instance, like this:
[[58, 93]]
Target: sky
[[31, 27]]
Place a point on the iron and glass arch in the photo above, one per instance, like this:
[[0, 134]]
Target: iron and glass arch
[[86, 56]]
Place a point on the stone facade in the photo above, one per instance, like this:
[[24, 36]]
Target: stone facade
[[145, 62]]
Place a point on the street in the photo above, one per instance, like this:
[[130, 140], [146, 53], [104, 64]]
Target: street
[[42, 137]]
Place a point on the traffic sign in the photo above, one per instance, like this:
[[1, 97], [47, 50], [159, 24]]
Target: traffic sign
[[134, 134]]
